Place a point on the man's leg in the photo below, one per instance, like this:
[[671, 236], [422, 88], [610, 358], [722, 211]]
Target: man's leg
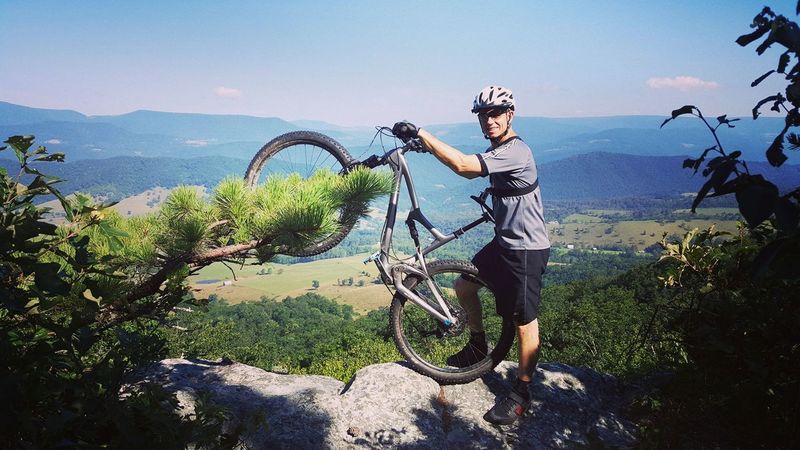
[[528, 349], [511, 408], [467, 293], [476, 348]]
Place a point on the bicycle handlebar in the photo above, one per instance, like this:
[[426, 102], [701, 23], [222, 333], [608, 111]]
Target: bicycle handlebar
[[413, 145]]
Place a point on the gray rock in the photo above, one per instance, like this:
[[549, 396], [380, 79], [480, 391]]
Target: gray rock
[[391, 406]]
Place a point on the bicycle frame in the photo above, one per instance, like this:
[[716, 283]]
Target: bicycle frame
[[392, 274]]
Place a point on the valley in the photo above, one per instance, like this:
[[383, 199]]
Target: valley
[[348, 281]]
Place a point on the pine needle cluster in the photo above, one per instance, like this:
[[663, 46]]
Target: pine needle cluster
[[285, 212]]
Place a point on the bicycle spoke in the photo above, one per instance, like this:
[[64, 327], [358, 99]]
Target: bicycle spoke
[[303, 153], [435, 344]]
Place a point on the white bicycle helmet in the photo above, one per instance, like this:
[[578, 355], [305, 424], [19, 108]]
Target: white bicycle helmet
[[493, 97]]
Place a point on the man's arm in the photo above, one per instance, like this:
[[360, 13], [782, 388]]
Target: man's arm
[[468, 166]]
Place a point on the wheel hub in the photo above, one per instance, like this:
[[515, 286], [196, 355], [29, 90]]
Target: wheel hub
[[457, 327]]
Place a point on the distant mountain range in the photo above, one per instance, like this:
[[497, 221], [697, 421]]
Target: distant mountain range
[[180, 135], [579, 158], [596, 175]]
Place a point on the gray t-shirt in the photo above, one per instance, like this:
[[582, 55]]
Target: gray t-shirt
[[519, 221]]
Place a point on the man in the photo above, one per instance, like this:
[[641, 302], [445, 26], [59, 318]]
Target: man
[[513, 263]]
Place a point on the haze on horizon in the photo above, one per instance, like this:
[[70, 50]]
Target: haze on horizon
[[368, 63]]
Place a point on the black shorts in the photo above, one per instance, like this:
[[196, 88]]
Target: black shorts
[[515, 277]]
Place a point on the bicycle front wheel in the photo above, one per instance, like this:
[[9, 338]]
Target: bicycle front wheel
[[303, 152], [427, 344]]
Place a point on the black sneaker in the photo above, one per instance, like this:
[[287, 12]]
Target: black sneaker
[[473, 352], [507, 410]]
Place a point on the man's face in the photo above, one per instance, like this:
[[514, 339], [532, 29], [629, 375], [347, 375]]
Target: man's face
[[495, 122]]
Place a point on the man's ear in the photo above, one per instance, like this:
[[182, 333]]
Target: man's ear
[[511, 116]]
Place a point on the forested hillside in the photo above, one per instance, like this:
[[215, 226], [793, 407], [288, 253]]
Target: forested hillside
[[116, 178]]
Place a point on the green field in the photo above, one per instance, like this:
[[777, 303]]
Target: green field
[[706, 212], [607, 212], [639, 234], [582, 218], [272, 280], [589, 229], [294, 280]]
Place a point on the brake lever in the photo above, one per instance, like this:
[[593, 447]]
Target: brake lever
[[416, 146], [370, 163]]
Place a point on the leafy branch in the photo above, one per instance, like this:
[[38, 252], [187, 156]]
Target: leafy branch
[[79, 300]]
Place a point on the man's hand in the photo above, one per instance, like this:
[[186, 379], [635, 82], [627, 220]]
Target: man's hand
[[405, 131]]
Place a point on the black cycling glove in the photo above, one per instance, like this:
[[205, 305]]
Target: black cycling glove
[[405, 131]]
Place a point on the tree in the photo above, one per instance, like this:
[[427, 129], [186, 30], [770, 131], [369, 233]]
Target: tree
[[80, 302], [736, 306], [758, 198], [315, 284]]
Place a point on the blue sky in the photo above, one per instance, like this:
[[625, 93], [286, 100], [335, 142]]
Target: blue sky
[[375, 62]]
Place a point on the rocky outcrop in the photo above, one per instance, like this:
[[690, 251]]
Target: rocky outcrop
[[391, 406]]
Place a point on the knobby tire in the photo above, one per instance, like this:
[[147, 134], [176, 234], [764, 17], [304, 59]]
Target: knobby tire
[[415, 331], [293, 142]]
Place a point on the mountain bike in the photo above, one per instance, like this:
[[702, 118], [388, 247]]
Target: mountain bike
[[427, 321]]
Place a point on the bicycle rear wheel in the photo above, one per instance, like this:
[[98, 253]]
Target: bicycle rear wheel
[[426, 343], [303, 152]]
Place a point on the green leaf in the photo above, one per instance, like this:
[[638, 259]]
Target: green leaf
[[109, 230], [86, 339], [765, 257], [31, 170], [46, 228], [772, 98], [21, 143], [65, 204], [757, 200], [720, 169], [58, 157], [37, 183], [775, 154], [783, 62], [726, 188], [722, 173], [758, 80], [746, 39], [88, 295], [48, 280], [686, 109], [82, 256], [787, 214], [707, 288]]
